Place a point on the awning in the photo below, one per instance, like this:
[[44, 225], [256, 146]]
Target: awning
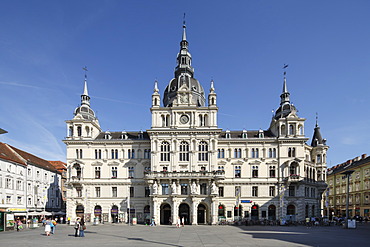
[[20, 214]]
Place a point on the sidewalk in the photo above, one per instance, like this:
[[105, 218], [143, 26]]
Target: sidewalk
[[140, 235]]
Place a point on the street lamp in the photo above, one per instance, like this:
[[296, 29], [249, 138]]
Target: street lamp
[[347, 174]]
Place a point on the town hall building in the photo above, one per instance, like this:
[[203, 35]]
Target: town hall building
[[186, 166]]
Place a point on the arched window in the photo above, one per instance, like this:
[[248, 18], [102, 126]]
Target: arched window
[[70, 133], [203, 151], [272, 172], [87, 129], [283, 130], [255, 171], [300, 130], [184, 151], [237, 153], [291, 129], [165, 151]]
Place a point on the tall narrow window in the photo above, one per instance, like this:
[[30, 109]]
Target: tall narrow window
[[97, 153], [254, 190], [131, 172], [272, 172], [237, 153], [255, 171], [238, 171], [184, 151], [292, 190], [114, 191], [97, 191], [203, 151], [97, 172], [79, 131], [165, 151], [114, 172], [147, 192], [165, 190], [203, 189], [132, 192], [272, 191]]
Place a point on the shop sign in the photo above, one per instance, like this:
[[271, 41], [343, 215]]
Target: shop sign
[[246, 201], [17, 210]]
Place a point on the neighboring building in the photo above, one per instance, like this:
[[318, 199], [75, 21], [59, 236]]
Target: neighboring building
[[28, 186], [62, 168], [186, 166], [359, 188]]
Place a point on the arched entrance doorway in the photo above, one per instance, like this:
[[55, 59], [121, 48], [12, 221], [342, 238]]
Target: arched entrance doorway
[[290, 212], [165, 214], [184, 212], [202, 214], [114, 214], [147, 214], [97, 213], [80, 210], [271, 212], [254, 212], [238, 212]]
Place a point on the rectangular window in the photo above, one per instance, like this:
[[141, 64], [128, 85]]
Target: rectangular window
[[29, 171], [147, 192], [114, 191], [8, 199], [132, 192], [291, 190], [238, 171], [254, 191], [184, 189], [203, 189], [97, 191], [272, 172], [97, 172], [131, 172], [114, 172], [19, 200], [165, 189], [272, 191], [8, 183], [221, 191], [255, 172], [228, 214]]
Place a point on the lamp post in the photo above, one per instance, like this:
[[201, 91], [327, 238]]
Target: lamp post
[[347, 174]]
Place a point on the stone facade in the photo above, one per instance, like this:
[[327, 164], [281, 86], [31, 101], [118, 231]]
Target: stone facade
[[186, 166]]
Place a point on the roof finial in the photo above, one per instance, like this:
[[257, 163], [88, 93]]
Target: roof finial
[[184, 29], [285, 89], [85, 68], [156, 86], [317, 120], [85, 85]]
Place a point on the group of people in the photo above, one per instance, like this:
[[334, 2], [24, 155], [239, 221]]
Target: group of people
[[80, 227], [50, 226]]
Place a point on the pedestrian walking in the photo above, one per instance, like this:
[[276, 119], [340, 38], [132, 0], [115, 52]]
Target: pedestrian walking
[[47, 227], [54, 226], [183, 221], [178, 222], [77, 227], [82, 227], [153, 222], [19, 225]]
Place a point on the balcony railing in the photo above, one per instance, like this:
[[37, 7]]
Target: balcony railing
[[75, 179], [184, 174]]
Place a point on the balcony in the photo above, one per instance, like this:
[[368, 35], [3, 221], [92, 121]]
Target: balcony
[[293, 178], [75, 180], [185, 175]]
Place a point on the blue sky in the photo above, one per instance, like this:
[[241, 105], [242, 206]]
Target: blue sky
[[241, 45]]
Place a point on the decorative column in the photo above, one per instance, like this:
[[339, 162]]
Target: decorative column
[[175, 210], [194, 213]]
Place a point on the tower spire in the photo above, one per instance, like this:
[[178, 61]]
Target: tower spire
[[184, 29], [285, 94], [85, 98]]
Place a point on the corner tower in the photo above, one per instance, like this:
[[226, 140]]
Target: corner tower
[[85, 124]]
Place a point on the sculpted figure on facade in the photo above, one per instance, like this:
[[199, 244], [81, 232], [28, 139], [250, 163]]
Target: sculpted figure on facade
[[214, 189], [194, 189], [155, 188], [174, 188]]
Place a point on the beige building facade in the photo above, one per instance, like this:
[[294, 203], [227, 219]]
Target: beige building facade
[[359, 188], [186, 166]]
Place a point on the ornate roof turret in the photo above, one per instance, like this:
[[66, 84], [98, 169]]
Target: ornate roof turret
[[286, 107], [184, 73], [317, 138], [84, 110]]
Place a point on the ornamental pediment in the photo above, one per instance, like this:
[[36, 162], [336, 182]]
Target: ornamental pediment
[[255, 162], [113, 163], [97, 163], [222, 162], [238, 162]]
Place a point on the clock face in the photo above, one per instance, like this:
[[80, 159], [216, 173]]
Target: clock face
[[184, 119]]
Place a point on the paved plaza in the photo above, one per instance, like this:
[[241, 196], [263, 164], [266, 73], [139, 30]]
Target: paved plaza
[[140, 235]]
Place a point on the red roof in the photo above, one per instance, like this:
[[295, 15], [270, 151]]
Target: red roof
[[6, 153], [59, 165], [29, 158]]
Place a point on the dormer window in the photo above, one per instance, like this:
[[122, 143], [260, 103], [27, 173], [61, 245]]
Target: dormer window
[[141, 135], [244, 134], [228, 135], [107, 135], [261, 134]]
